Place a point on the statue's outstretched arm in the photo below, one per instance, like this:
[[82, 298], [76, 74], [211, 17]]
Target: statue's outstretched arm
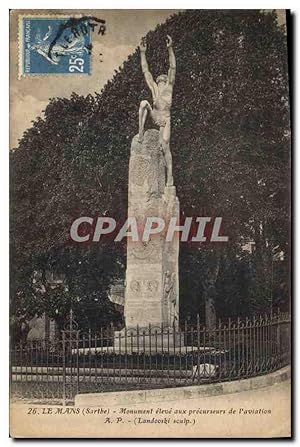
[[172, 61], [145, 68]]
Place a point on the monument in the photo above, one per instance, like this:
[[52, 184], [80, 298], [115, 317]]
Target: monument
[[152, 289]]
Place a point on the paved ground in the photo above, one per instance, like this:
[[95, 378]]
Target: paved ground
[[259, 413]]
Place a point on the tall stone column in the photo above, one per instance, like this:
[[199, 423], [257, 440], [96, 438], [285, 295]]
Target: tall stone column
[[152, 289], [152, 292]]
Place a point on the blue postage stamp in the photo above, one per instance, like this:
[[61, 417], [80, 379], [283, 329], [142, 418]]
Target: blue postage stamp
[[55, 45]]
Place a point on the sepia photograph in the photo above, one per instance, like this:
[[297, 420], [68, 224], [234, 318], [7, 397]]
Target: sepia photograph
[[150, 223]]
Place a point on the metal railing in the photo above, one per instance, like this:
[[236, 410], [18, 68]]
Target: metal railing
[[152, 357]]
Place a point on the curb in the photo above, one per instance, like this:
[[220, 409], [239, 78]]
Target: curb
[[179, 393]]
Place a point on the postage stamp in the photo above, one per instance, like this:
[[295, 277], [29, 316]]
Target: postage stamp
[[56, 44]]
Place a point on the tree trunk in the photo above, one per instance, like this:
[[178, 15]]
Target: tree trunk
[[210, 312], [209, 288]]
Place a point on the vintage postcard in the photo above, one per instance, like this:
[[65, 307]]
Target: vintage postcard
[[150, 224]]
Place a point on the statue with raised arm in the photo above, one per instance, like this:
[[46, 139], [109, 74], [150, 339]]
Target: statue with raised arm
[[161, 91]]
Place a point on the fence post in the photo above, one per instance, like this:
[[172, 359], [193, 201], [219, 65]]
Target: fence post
[[70, 338], [278, 341], [64, 366], [77, 361], [239, 345]]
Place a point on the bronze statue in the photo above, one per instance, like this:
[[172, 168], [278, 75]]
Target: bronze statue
[[161, 91]]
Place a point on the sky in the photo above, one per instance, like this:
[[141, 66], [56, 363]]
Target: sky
[[125, 28]]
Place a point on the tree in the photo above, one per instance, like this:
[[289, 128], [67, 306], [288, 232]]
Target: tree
[[230, 145]]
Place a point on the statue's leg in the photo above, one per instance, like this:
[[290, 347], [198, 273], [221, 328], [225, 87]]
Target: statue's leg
[[165, 140], [143, 110]]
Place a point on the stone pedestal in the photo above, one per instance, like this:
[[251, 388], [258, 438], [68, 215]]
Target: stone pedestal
[[152, 290]]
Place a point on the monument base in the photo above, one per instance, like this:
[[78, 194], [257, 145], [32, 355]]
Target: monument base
[[133, 341], [152, 281]]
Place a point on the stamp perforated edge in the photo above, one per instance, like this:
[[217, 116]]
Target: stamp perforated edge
[[20, 72]]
